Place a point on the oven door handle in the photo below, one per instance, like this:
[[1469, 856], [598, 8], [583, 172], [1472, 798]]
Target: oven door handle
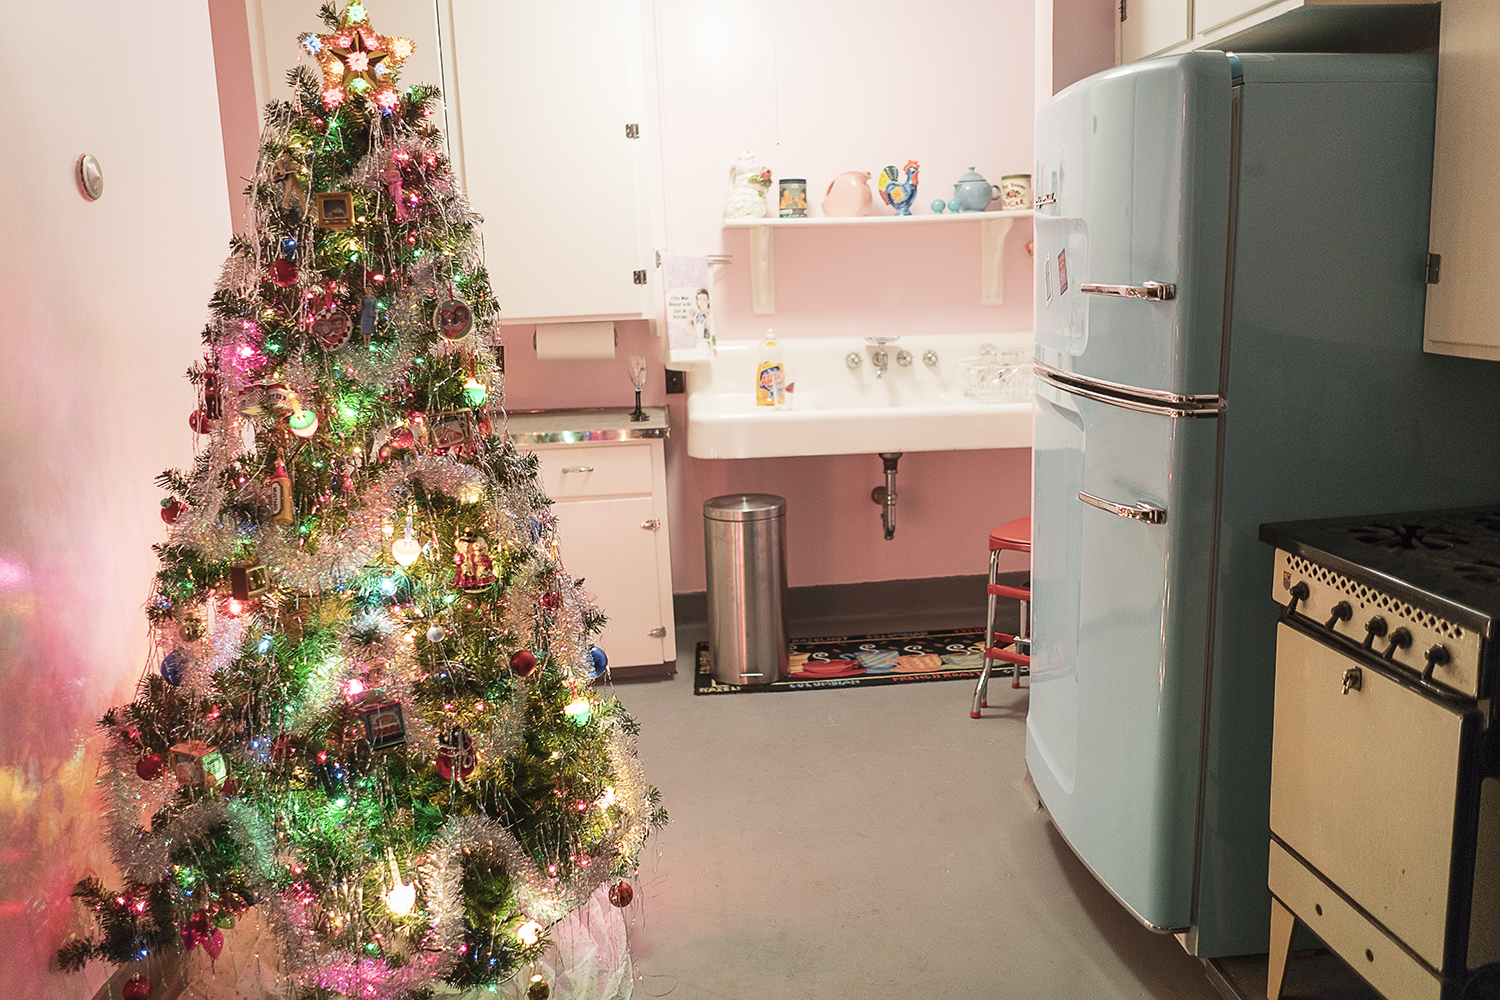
[[1136, 512]]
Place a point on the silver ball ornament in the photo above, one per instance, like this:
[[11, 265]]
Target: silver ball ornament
[[435, 634]]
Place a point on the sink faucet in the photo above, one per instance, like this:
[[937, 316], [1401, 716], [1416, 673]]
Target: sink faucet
[[881, 361]]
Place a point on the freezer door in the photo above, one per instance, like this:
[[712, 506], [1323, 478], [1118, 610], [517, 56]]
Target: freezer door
[[1120, 606], [1132, 186]]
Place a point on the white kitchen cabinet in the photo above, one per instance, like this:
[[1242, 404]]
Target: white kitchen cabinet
[[1166, 27], [1466, 184], [607, 479], [1151, 26], [546, 115]]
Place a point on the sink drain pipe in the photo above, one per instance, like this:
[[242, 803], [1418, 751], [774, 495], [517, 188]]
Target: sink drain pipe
[[885, 495]]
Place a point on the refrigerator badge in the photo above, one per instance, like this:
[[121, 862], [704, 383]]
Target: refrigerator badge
[[1062, 272], [1047, 278]]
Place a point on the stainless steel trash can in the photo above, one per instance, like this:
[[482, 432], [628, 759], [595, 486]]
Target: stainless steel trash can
[[744, 541]]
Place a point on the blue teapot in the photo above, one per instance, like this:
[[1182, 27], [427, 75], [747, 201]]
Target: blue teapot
[[973, 193]]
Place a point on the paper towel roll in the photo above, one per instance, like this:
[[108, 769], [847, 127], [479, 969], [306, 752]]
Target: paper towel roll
[[571, 341]]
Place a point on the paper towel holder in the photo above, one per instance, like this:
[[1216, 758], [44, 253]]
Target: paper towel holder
[[574, 328]]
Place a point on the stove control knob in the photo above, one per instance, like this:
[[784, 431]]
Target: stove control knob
[[1400, 639], [1353, 678], [1373, 628], [1340, 612], [1436, 656]]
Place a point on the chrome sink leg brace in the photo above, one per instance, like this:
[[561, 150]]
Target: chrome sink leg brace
[[886, 495]]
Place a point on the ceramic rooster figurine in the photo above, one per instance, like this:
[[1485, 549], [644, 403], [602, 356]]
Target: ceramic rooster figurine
[[896, 194]]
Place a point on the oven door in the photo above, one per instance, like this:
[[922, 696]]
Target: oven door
[[1364, 786]]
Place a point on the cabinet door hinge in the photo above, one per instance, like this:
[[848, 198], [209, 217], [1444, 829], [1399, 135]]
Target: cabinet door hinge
[[652, 524], [1123, 13], [639, 277], [1434, 267], [660, 632], [632, 131]]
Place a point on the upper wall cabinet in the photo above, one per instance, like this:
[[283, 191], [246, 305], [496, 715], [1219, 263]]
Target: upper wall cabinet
[[545, 111], [1466, 184], [1166, 27], [1151, 26]]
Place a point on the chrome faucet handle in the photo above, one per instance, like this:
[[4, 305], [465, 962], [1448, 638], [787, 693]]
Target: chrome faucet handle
[[904, 358], [881, 361], [854, 359], [930, 358]]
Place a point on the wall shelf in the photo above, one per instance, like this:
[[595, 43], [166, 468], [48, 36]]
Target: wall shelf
[[992, 231]]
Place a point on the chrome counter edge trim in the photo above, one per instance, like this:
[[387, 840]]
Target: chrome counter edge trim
[[555, 437]]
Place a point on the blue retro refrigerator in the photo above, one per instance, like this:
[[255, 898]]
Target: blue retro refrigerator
[[1230, 275]]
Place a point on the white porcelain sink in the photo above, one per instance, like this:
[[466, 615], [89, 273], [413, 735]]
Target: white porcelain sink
[[838, 410]]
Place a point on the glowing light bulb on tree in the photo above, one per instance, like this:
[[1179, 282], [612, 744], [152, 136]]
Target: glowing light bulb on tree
[[529, 933], [577, 710], [304, 423], [474, 392], [403, 897], [406, 550]]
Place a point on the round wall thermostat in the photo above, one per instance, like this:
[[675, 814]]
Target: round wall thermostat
[[90, 177]]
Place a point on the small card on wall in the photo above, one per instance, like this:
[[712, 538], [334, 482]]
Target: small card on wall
[[690, 324]]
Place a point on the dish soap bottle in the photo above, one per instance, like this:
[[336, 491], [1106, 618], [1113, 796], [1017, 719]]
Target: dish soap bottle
[[770, 376]]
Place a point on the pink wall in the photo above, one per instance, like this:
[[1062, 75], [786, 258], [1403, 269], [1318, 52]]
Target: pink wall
[[816, 90], [100, 309]]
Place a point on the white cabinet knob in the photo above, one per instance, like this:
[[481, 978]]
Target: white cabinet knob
[[660, 632]]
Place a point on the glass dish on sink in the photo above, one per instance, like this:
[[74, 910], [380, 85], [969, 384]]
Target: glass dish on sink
[[996, 376]]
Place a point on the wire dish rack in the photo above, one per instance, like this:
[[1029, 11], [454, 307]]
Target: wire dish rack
[[997, 376]]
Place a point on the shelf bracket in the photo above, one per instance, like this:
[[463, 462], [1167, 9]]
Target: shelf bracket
[[762, 270], [992, 233]]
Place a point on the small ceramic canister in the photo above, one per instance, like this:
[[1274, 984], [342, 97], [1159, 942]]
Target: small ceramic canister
[[1015, 192], [793, 198]]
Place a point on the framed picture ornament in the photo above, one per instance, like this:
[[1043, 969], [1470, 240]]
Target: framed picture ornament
[[453, 319], [335, 209]]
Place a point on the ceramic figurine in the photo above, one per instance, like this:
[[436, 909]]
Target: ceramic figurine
[[973, 193], [899, 195], [748, 183], [848, 195], [954, 206], [938, 205]]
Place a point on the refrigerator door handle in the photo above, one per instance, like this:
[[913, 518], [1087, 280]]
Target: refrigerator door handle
[[1151, 291], [1137, 512]]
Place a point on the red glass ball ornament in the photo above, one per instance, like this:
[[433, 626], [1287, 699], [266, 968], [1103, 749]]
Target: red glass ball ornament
[[522, 662], [551, 599], [231, 788], [149, 767], [284, 273], [538, 991], [198, 421], [384, 454], [621, 894], [171, 510], [136, 988], [401, 437]]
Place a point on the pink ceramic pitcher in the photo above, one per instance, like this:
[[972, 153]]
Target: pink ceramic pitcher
[[848, 194]]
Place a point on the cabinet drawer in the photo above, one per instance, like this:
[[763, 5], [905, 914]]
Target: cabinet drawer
[[595, 470], [1372, 952]]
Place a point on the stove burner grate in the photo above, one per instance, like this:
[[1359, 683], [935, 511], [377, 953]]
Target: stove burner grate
[[1402, 535]]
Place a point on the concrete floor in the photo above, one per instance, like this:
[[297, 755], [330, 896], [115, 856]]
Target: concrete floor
[[868, 843]]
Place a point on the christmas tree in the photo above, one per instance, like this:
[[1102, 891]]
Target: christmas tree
[[369, 709]]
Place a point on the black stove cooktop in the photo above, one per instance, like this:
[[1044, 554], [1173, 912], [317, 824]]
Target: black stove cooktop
[[1444, 558]]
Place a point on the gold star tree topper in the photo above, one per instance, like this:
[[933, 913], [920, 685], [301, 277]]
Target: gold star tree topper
[[356, 60]]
